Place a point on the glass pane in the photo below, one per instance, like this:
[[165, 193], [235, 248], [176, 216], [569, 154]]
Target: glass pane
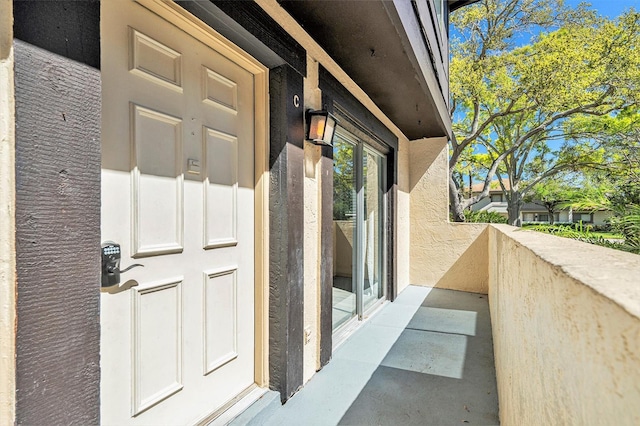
[[344, 229], [372, 187]]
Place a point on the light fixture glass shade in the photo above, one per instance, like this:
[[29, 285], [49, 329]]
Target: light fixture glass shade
[[321, 126]]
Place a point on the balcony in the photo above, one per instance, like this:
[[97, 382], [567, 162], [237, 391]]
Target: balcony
[[555, 341]]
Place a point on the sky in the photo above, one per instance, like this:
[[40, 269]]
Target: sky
[[610, 8]]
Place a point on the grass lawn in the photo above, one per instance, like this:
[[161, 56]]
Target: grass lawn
[[608, 235], [568, 231]]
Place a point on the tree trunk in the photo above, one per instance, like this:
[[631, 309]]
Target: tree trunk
[[456, 207], [457, 212], [514, 204], [551, 218]]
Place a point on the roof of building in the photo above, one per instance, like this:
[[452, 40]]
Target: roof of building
[[494, 187], [382, 46]]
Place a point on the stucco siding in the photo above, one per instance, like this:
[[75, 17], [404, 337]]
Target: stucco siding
[[566, 330], [428, 171], [443, 254], [403, 219]]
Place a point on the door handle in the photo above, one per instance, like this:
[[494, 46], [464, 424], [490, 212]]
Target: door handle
[[111, 264], [122, 271]]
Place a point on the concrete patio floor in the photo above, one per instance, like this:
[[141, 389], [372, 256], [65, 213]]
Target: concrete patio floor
[[425, 359]]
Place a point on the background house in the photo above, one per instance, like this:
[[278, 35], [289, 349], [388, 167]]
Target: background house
[[533, 212]]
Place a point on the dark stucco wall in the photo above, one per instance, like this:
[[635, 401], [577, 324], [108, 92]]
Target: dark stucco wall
[[58, 103], [58, 236], [67, 28]]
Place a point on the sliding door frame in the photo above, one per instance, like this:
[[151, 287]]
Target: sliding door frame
[[361, 122], [361, 147]]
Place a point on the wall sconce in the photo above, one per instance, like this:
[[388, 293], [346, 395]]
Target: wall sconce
[[321, 127]]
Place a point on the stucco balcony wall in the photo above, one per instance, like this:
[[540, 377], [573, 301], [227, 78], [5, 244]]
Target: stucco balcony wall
[[565, 318], [566, 330], [450, 256]]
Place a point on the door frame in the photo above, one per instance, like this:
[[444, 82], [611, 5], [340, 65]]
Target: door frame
[[184, 20], [363, 143]]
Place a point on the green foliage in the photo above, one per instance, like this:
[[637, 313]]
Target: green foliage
[[629, 226], [553, 193], [616, 187], [515, 101], [344, 181], [582, 233], [484, 217]]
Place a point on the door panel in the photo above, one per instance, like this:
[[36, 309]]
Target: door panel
[[157, 182], [221, 316], [178, 195], [372, 245], [344, 231], [358, 215], [221, 188], [157, 343]]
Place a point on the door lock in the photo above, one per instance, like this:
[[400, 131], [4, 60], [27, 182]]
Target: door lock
[[111, 264]]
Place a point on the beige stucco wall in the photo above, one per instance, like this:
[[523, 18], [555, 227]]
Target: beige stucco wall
[[450, 255], [403, 218], [442, 254], [428, 174], [312, 203], [343, 234], [7, 217], [566, 330], [311, 261]]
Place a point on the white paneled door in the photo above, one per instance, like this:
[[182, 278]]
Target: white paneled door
[[177, 340]]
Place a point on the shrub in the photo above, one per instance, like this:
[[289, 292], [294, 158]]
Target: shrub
[[484, 217], [580, 232]]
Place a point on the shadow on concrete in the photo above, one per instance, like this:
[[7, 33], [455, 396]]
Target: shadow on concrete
[[440, 371], [425, 359]]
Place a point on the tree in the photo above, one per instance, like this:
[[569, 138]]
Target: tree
[[552, 194], [528, 159], [616, 188], [470, 167], [344, 179], [514, 100]]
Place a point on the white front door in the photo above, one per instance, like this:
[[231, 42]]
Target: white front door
[[178, 196]]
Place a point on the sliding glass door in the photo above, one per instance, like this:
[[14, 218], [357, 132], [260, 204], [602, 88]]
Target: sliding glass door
[[344, 230], [358, 238], [372, 227]]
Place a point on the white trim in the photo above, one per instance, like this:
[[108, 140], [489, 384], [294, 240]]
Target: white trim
[[7, 219]]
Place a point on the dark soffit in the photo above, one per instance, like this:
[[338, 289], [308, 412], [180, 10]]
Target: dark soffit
[[453, 5], [362, 38]]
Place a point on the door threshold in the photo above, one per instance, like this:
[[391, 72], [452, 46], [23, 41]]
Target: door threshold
[[233, 408], [346, 330]]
